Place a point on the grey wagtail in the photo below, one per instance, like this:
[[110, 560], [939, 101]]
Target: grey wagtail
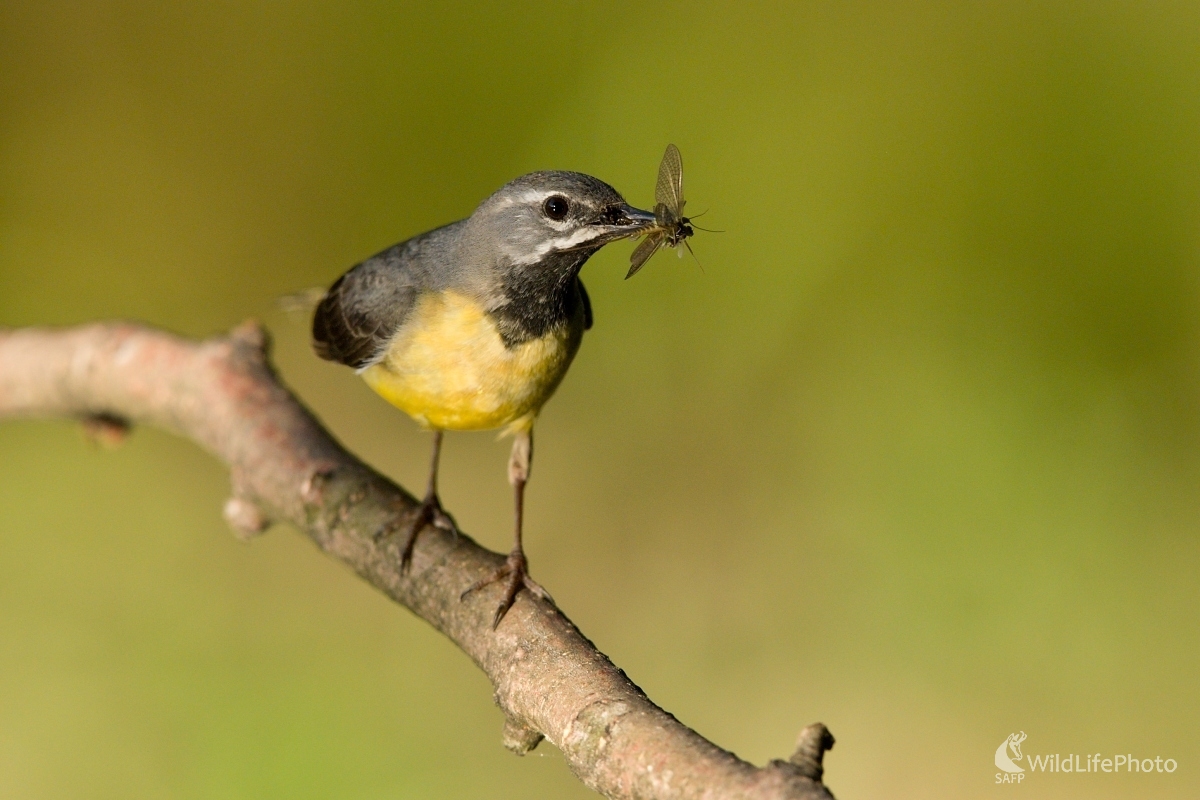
[[472, 326]]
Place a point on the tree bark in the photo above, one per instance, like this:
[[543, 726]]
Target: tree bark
[[549, 680]]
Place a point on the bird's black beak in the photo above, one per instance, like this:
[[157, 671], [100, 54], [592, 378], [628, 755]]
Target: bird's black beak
[[622, 221]]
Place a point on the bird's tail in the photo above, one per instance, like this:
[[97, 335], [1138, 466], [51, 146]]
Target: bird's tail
[[301, 302]]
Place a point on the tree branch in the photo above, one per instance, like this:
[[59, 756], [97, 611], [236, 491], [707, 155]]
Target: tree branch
[[549, 680]]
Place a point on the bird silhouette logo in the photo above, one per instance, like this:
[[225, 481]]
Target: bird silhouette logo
[[1013, 743]]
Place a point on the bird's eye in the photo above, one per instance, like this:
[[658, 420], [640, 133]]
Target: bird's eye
[[556, 206]]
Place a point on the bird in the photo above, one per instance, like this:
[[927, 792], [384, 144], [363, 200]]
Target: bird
[[472, 326]]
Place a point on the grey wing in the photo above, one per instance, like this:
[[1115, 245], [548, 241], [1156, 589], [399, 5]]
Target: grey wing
[[588, 319], [363, 309], [669, 191]]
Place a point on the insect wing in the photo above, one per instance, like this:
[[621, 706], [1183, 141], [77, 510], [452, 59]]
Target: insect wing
[[643, 251], [669, 191], [664, 217]]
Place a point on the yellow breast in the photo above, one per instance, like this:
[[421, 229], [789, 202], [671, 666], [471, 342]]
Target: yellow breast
[[448, 368]]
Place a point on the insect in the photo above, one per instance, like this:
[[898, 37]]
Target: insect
[[672, 228]]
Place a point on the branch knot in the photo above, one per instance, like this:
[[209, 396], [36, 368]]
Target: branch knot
[[811, 745]]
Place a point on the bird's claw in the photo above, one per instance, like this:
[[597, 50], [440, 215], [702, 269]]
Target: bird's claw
[[516, 570], [430, 512]]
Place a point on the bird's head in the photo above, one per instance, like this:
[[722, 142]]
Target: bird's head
[[555, 220]]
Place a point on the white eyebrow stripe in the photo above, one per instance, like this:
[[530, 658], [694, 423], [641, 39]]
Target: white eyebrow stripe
[[526, 197], [531, 195], [535, 198]]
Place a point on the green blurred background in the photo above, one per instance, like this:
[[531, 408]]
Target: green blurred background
[[916, 454]]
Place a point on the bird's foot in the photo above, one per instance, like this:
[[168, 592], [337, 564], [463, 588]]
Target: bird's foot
[[514, 574], [430, 512]]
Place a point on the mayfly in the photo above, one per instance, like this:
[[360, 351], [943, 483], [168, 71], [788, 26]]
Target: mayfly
[[671, 228]]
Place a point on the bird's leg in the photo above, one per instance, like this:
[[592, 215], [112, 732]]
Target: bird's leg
[[515, 571], [430, 512]]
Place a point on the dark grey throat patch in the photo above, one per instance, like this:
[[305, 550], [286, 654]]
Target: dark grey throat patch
[[541, 297]]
